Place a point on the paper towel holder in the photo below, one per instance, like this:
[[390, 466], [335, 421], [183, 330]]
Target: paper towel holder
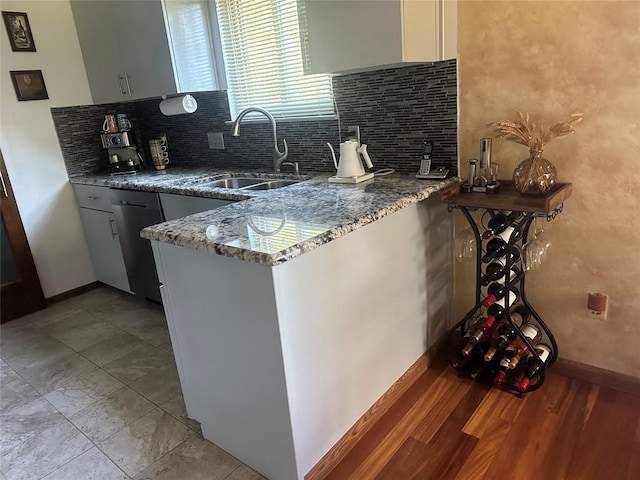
[[178, 104]]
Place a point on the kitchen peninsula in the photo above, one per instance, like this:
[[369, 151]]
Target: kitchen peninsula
[[292, 312]]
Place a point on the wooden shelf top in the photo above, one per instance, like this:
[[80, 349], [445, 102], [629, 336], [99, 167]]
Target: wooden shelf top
[[508, 199]]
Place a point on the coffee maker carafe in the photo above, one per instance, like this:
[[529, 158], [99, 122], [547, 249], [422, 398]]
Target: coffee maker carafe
[[117, 138]]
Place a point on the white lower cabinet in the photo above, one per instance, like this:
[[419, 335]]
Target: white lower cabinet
[[104, 247], [101, 232]]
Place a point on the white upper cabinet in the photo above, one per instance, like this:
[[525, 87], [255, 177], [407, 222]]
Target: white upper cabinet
[[340, 36], [125, 49]]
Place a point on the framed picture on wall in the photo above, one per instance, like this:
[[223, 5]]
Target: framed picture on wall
[[19, 31], [29, 85]]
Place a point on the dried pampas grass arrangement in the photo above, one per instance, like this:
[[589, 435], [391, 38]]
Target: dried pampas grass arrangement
[[535, 175], [533, 134]]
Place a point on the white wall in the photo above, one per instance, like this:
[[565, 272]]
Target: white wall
[[30, 146]]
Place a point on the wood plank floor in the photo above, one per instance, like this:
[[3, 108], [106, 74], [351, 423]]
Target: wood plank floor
[[445, 427]]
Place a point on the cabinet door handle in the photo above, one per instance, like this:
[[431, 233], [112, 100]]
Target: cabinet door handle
[[126, 79], [92, 198], [114, 234], [4, 187], [122, 90]]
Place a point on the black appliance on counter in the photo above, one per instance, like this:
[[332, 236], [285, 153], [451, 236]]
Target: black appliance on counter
[[123, 154]]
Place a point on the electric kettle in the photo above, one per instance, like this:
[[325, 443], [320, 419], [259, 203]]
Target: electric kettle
[[350, 164]]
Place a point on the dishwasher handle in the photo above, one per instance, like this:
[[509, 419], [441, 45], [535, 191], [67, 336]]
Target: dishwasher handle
[[136, 201], [132, 204]]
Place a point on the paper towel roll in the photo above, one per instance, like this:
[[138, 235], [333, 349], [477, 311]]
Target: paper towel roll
[[178, 105]]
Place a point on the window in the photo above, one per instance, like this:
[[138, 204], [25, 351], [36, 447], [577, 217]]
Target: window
[[190, 40], [252, 46]]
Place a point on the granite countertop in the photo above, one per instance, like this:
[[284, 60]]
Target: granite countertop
[[181, 181], [273, 226]]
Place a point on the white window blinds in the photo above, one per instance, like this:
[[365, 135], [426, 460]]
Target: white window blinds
[[188, 24], [263, 60]]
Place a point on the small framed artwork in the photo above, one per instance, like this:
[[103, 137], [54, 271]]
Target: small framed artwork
[[29, 85], [19, 30]]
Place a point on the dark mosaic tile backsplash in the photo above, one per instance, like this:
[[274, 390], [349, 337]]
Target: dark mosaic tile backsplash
[[396, 109], [78, 130]]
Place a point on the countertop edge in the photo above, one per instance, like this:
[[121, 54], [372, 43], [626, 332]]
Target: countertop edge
[[278, 258], [187, 182]]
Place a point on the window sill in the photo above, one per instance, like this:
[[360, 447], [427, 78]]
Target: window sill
[[280, 120]]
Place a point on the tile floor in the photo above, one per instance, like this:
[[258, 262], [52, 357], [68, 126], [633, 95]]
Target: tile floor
[[89, 390]]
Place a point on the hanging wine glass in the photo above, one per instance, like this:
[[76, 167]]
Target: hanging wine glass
[[534, 251], [545, 243], [529, 254], [465, 245], [541, 244]]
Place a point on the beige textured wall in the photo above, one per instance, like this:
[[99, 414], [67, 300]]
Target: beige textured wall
[[551, 59]]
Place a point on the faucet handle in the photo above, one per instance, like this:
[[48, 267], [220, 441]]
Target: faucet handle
[[295, 165]]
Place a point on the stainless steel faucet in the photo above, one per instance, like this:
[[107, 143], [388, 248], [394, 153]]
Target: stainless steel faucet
[[278, 156]]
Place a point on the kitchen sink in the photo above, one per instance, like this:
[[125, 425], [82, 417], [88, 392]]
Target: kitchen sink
[[232, 183], [248, 183], [271, 184]]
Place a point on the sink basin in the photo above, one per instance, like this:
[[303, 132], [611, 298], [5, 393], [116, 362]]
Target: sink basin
[[248, 183], [271, 184], [232, 183]]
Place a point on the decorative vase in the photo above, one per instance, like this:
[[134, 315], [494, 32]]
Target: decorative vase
[[535, 175]]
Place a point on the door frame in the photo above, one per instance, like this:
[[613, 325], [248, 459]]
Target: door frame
[[25, 295]]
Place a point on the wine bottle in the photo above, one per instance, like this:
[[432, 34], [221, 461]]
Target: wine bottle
[[515, 350], [500, 307], [499, 223], [514, 256], [498, 311], [497, 246], [502, 335], [472, 325], [496, 271], [476, 364], [520, 349], [480, 334], [532, 367], [472, 363], [497, 290]]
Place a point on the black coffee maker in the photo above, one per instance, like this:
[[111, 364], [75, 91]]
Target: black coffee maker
[[119, 142]]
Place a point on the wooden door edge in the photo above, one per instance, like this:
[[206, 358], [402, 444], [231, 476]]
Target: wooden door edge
[[21, 250]]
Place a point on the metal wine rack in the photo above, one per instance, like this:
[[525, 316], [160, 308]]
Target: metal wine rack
[[507, 199]]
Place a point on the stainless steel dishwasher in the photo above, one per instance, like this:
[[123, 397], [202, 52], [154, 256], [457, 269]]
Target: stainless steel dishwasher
[[133, 211]]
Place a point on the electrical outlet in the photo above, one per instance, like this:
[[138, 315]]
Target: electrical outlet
[[598, 305], [353, 132], [216, 140], [599, 315]]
